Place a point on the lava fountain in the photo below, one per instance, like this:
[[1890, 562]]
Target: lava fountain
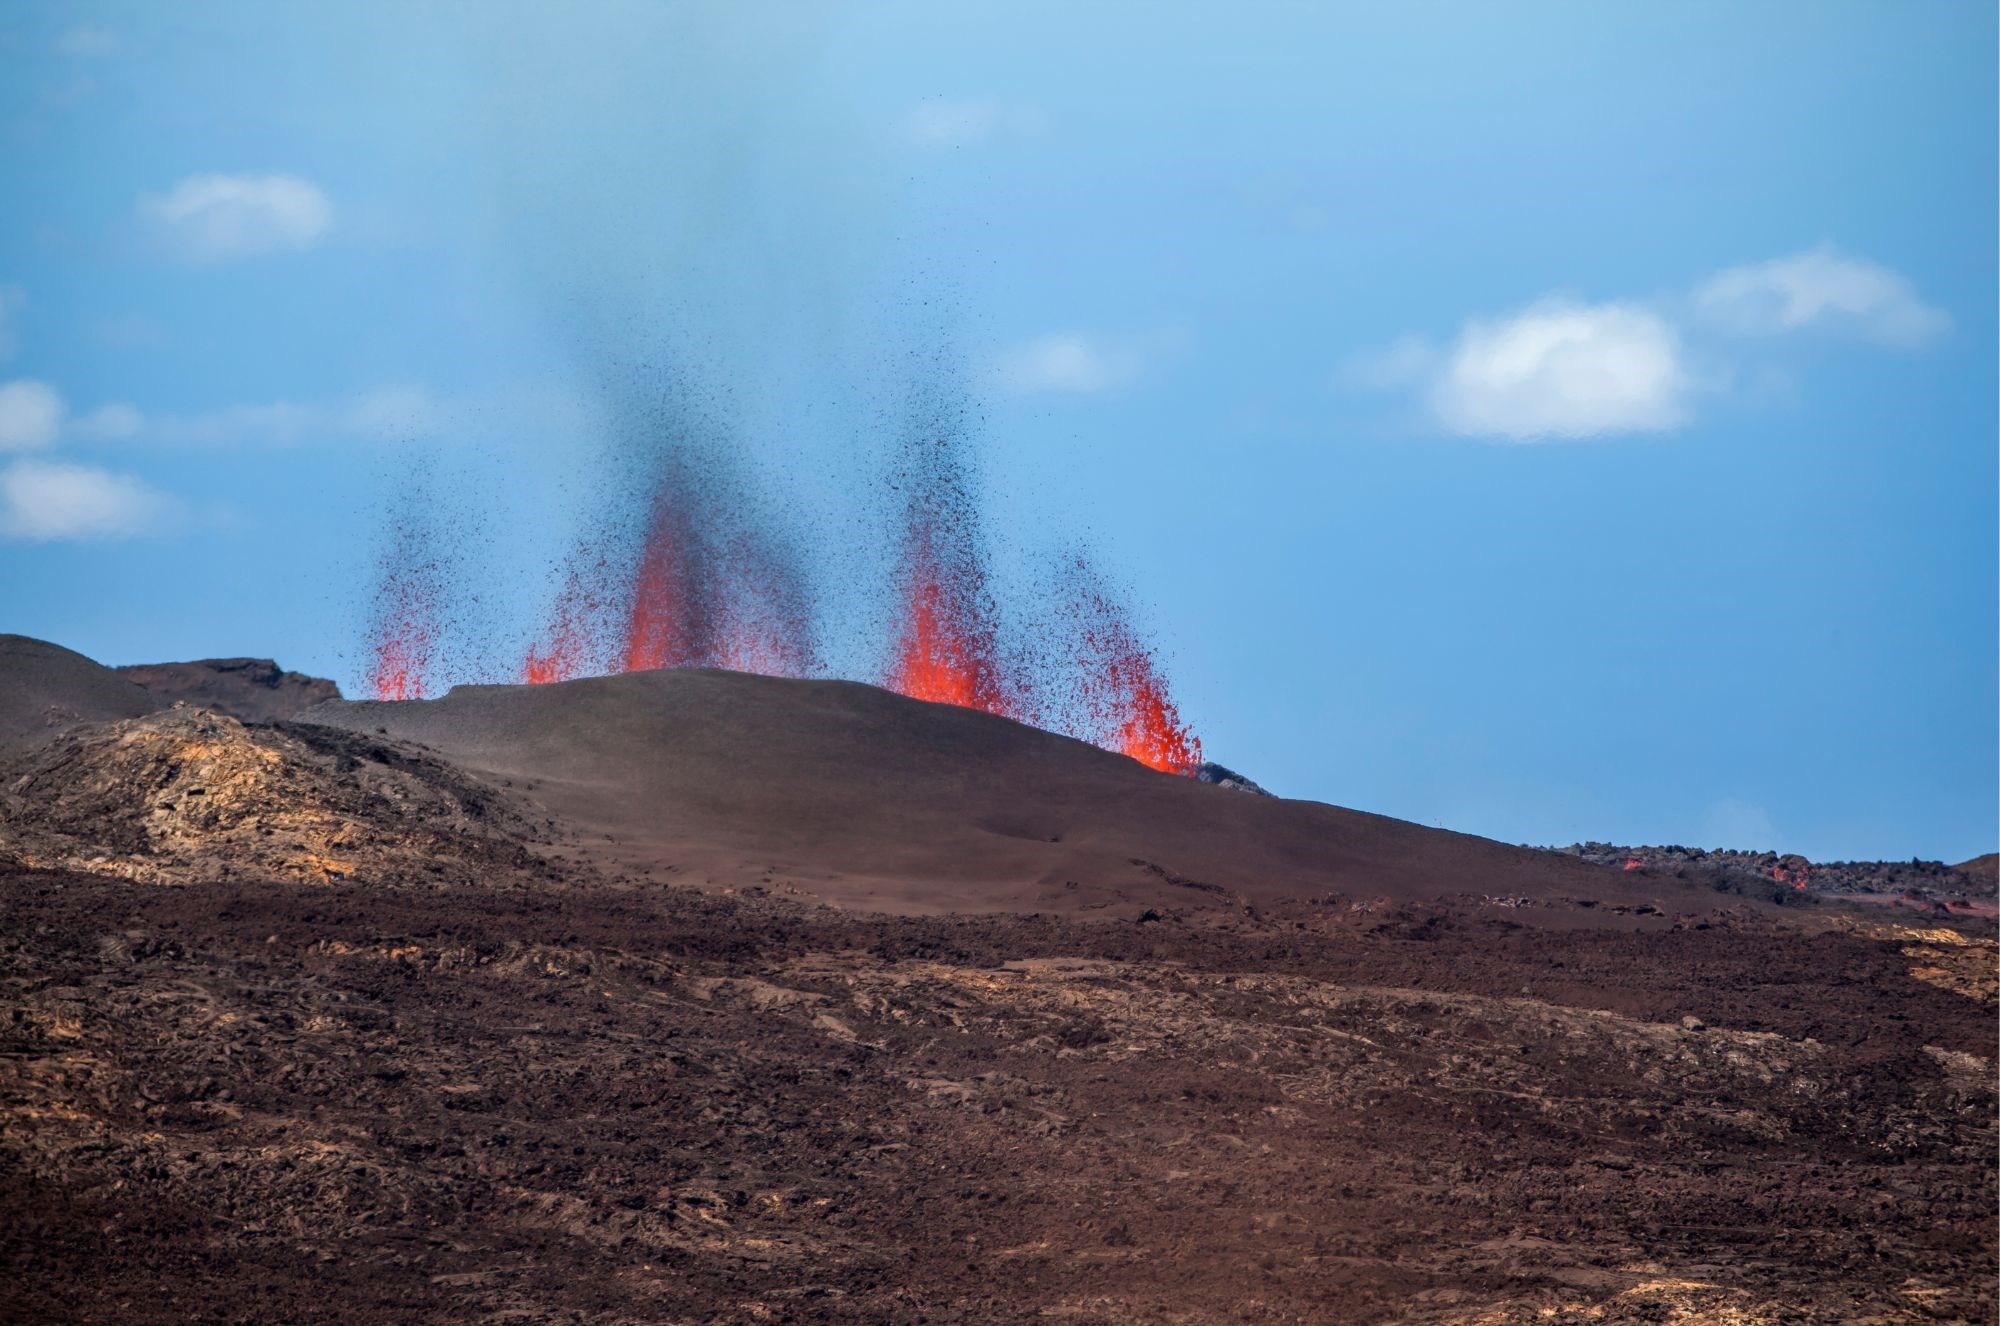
[[409, 603], [1118, 689], [573, 644], [704, 576], [947, 647]]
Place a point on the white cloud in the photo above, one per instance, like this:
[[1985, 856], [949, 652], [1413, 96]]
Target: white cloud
[[87, 41], [1563, 369], [1821, 289], [1079, 363], [210, 218], [12, 300], [31, 415], [42, 501], [388, 413]]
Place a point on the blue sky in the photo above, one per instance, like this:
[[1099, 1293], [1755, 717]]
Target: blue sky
[[1549, 420]]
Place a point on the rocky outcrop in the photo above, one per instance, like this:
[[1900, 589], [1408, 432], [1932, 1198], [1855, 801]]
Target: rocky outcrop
[[1211, 772], [251, 690], [185, 795]]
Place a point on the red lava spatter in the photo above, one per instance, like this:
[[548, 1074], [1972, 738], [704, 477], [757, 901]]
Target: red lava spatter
[[1119, 696], [668, 617], [947, 646], [706, 578], [763, 621], [706, 583], [573, 643], [408, 612]]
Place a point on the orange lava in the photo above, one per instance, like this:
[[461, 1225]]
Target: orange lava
[[569, 647], [401, 661], [1634, 863], [1152, 732], [1123, 694], [945, 651], [409, 603], [1798, 877], [663, 627]]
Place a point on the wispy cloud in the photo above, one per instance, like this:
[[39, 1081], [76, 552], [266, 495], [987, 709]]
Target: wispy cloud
[[1821, 289], [214, 218], [1078, 362], [1562, 368], [387, 413], [34, 415], [31, 415], [42, 501]]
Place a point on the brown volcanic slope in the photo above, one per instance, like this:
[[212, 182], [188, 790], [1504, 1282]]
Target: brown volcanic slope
[[858, 796], [311, 1025], [250, 690], [46, 689]]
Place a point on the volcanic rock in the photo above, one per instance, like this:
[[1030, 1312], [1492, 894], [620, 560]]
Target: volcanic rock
[[855, 795], [184, 795], [392, 1050], [46, 689], [1778, 874], [1211, 772], [252, 690], [237, 1102]]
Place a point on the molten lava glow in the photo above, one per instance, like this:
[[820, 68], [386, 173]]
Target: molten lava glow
[[1798, 877], [1121, 694], [664, 627], [1152, 732], [1634, 863], [716, 580], [945, 651], [409, 603], [401, 661], [570, 646]]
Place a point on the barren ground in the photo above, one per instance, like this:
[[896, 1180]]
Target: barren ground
[[240, 1102]]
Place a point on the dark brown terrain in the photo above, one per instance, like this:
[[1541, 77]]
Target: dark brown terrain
[[585, 1004], [250, 690], [850, 794]]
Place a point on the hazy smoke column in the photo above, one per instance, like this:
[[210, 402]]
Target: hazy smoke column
[[947, 645], [407, 619]]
